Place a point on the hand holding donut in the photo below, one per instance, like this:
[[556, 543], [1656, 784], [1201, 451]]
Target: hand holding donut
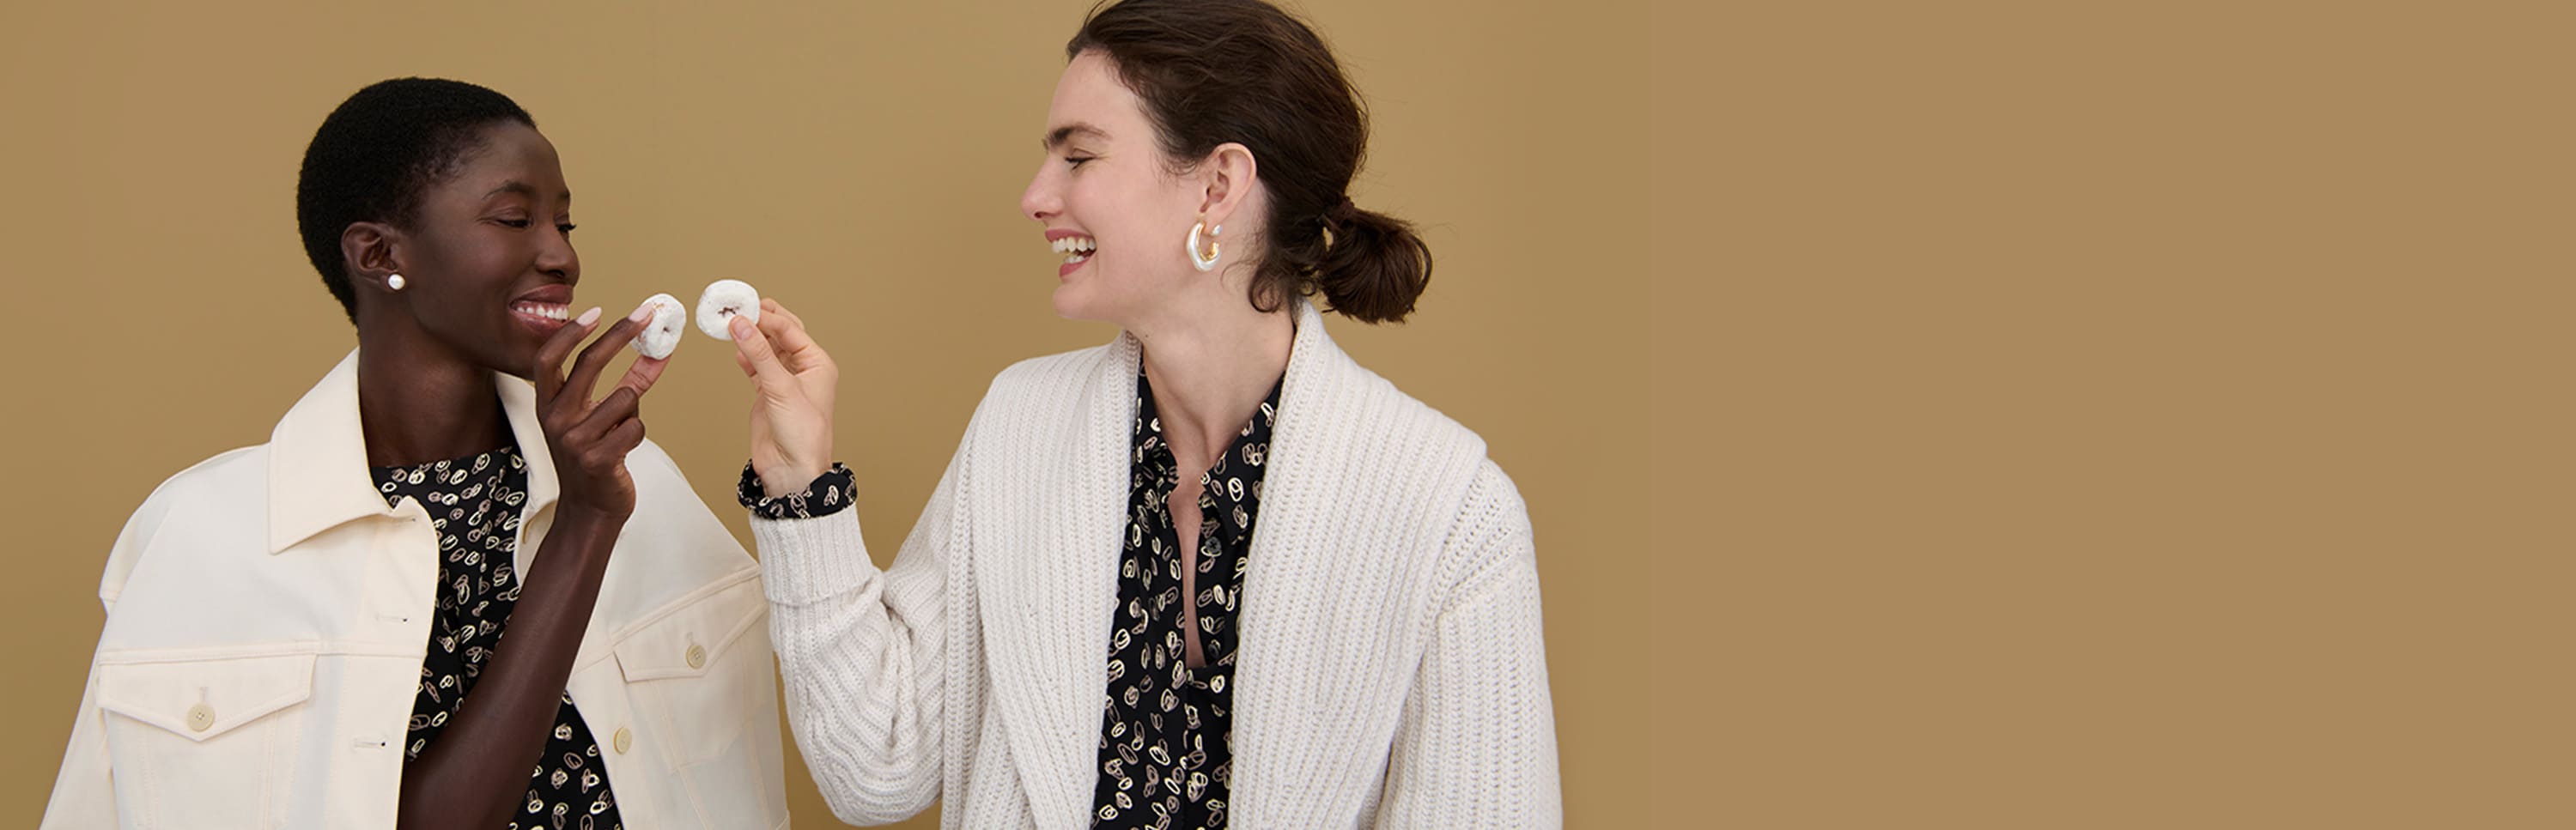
[[589, 441], [793, 382]]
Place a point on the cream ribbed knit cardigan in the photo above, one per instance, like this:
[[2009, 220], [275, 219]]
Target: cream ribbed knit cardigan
[[1390, 672]]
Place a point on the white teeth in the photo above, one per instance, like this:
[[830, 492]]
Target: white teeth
[[1074, 245], [550, 312]]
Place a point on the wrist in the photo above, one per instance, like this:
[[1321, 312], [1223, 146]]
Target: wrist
[[822, 494], [790, 479], [569, 516]]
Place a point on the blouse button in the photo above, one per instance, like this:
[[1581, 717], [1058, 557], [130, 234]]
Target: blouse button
[[697, 656], [623, 740], [200, 717]]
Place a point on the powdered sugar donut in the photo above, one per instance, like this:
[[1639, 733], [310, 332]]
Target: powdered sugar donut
[[661, 334], [725, 300]]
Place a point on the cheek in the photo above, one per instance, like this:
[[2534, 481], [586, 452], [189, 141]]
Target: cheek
[[472, 274], [1136, 240], [1120, 208]]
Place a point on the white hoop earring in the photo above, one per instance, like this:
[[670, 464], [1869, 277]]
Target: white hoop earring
[[1192, 248], [395, 282]]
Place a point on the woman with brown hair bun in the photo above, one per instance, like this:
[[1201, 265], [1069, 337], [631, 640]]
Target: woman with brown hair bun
[[1211, 573]]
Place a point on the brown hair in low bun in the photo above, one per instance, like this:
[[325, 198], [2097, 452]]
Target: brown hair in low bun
[[1216, 71]]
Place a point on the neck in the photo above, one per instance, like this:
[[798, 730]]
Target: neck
[[419, 403], [1211, 367]]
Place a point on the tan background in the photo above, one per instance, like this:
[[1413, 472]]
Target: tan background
[[2115, 415], [2052, 418], [861, 161]]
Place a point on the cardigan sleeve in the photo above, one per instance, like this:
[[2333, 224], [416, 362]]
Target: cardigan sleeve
[[860, 650], [1476, 746]]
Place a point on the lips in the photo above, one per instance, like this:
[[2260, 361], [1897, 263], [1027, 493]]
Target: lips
[[1077, 248], [545, 309]]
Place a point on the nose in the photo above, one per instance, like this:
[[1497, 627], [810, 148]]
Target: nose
[[556, 257], [1039, 201]]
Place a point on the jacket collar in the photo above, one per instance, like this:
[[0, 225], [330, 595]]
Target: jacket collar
[[318, 477]]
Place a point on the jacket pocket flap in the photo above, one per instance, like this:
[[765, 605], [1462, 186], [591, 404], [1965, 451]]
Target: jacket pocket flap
[[200, 699], [687, 641]]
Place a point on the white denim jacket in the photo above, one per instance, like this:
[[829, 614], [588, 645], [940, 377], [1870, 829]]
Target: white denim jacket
[[267, 615]]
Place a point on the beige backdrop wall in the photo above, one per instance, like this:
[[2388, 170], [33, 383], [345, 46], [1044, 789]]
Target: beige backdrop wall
[[2115, 415], [862, 161]]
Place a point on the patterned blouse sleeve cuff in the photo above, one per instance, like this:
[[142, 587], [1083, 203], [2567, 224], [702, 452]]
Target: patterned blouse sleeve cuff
[[829, 494]]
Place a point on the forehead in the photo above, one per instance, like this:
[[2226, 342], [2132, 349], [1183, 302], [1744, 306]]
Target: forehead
[[1090, 93], [510, 152]]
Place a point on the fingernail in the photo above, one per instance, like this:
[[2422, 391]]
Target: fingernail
[[587, 317], [642, 312], [740, 326]]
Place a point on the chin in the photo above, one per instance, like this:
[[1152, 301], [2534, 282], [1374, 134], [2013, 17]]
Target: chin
[[516, 365], [1069, 303], [1100, 301]]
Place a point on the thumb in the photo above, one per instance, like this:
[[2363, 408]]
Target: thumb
[[768, 376]]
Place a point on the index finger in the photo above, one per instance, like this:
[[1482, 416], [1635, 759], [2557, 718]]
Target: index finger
[[786, 332], [752, 347], [548, 373], [594, 358]]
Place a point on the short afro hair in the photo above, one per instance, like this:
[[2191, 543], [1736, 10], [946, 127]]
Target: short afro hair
[[375, 155]]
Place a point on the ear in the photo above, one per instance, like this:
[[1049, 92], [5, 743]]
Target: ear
[[370, 252], [1230, 174]]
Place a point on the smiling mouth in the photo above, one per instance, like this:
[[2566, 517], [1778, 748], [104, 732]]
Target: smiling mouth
[[550, 312], [1075, 248]]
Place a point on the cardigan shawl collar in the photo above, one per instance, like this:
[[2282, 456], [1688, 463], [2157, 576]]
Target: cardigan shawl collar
[[1362, 487]]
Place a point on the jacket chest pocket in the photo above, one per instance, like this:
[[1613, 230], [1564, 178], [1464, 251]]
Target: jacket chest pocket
[[205, 742], [699, 681]]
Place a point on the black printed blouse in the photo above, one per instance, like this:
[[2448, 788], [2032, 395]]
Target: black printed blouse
[[1165, 758], [474, 505]]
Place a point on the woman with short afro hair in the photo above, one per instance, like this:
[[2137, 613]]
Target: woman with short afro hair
[[453, 590]]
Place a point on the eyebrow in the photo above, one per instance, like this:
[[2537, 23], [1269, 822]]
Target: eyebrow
[[522, 189], [1065, 133]]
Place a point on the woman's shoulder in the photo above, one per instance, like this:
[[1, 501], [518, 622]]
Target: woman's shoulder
[[221, 470], [1367, 414], [668, 508], [217, 502], [1492, 528], [232, 479]]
